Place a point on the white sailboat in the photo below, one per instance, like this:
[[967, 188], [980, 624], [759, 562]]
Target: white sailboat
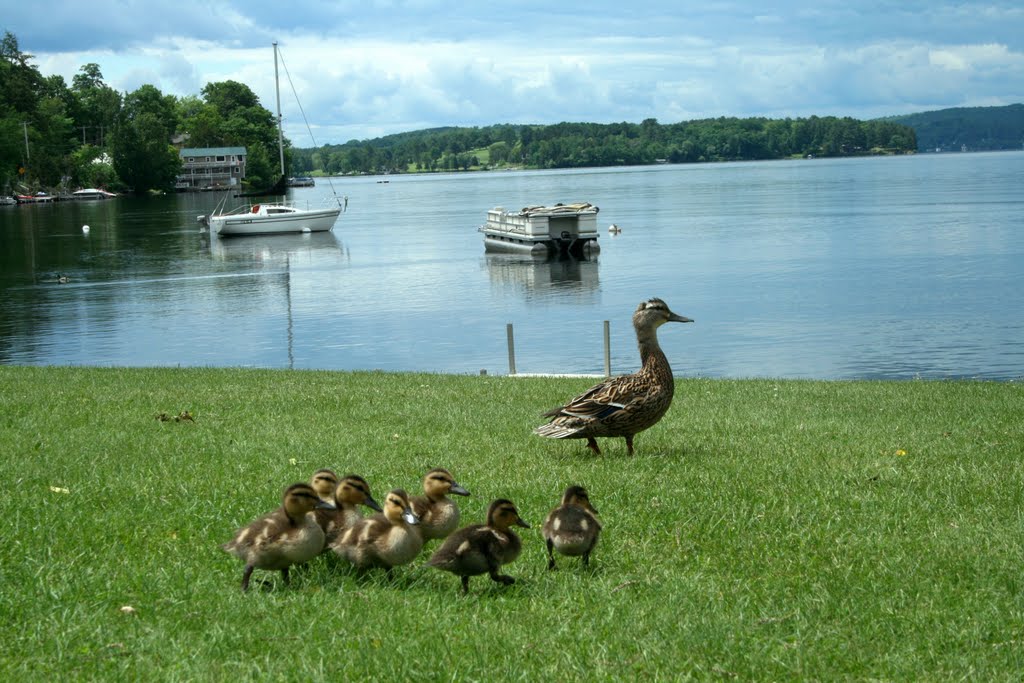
[[266, 218]]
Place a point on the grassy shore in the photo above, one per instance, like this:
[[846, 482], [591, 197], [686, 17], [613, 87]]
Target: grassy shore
[[765, 530]]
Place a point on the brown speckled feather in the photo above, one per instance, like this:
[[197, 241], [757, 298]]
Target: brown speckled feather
[[624, 405]]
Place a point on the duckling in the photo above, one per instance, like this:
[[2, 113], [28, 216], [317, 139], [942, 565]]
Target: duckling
[[279, 539], [324, 482], [386, 539], [351, 492], [439, 515], [572, 528], [482, 548], [624, 405]]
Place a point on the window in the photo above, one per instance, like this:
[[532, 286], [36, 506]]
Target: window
[[220, 158]]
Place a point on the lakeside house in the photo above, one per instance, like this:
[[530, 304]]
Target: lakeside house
[[210, 168]]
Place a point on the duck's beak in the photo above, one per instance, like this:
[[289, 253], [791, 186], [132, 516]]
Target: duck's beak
[[324, 505], [410, 517], [372, 504], [459, 491], [673, 318], [521, 523]]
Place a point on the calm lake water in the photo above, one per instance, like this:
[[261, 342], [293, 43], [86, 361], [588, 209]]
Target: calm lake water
[[830, 268]]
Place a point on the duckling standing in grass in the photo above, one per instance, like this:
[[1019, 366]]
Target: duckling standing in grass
[[439, 515], [351, 492], [624, 405], [324, 482], [387, 539], [282, 538], [572, 527], [482, 548]]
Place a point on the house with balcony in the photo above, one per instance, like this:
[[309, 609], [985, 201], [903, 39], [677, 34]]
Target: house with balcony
[[211, 168]]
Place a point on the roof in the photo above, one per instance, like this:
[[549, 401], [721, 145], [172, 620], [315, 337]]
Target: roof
[[211, 151]]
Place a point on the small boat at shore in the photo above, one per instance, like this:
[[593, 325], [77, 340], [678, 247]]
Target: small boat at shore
[[92, 193], [37, 198], [562, 229]]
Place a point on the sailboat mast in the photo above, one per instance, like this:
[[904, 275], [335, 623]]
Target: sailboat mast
[[277, 91]]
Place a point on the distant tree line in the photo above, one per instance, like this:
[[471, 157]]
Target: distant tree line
[[981, 129], [90, 135], [569, 145]]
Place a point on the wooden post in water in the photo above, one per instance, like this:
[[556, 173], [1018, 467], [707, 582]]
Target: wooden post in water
[[511, 350], [607, 351]]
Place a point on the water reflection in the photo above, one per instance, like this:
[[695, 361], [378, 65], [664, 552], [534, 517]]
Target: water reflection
[[277, 248], [541, 277]]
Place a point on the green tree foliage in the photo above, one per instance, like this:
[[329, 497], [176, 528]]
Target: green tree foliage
[[974, 128], [98, 104], [143, 156], [591, 144]]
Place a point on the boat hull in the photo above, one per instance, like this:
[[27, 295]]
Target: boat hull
[[504, 244], [254, 224]]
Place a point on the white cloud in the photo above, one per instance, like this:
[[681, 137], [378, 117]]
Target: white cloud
[[366, 69]]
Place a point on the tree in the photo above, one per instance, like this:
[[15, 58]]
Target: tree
[[98, 104], [143, 155]]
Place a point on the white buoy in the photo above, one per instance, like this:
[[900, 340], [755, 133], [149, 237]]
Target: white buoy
[[85, 229]]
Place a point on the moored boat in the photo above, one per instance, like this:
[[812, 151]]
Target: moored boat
[[274, 217], [562, 229], [92, 193], [271, 218]]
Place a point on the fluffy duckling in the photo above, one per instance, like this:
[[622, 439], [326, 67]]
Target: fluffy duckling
[[387, 539], [324, 481], [348, 495], [439, 515], [628, 404], [279, 539], [572, 527], [482, 548]]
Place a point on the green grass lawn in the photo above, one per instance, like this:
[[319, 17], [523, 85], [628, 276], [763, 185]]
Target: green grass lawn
[[765, 530]]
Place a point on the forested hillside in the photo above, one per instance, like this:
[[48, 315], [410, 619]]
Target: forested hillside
[[569, 145], [972, 128]]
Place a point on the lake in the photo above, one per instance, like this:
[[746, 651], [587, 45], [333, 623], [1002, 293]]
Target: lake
[[894, 267]]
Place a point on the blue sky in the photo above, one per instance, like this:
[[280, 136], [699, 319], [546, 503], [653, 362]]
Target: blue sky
[[374, 67]]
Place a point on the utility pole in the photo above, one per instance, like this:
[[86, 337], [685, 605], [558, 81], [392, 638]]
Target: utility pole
[[24, 125]]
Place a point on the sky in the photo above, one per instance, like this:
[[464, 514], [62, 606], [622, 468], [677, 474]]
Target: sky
[[368, 68]]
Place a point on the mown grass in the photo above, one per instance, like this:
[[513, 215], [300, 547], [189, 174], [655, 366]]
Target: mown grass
[[765, 530]]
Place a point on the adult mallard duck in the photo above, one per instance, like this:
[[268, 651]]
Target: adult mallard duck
[[286, 536], [351, 492], [624, 405], [386, 539], [439, 515], [482, 548], [572, 528]]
